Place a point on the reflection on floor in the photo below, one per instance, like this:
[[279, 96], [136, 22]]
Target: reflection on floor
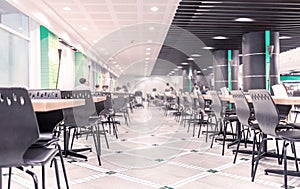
[[156, 152]]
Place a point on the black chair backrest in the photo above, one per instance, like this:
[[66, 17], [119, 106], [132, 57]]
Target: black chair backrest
[[47, 120], [217, 105], [19, 129], [266, 112], [242, 107], [79, 115]]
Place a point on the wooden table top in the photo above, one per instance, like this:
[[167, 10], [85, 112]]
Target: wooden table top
[[44, 105], [278, 100], [99, 98]]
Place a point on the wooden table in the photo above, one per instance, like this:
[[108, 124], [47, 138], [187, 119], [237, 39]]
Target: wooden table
[[277, 100], [99, 98], [45, 105]]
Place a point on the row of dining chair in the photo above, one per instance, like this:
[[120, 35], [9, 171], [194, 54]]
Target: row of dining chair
[[262, 119]]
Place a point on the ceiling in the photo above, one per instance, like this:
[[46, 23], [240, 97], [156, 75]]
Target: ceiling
[[127, 37], [111, 30], [209, 18]]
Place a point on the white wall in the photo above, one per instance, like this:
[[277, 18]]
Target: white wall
[[66, 79]]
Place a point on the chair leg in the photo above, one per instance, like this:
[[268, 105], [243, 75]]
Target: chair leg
[[43, 177], [295, 155], [238, 146], [56, 173], [224, 137], [34, 177], [63, 166], [285, 166], [105, 136], [279, 160], [9, 177], [261, 146], [253, 153], [214, 133]]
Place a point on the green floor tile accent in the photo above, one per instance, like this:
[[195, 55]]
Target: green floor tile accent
[[212, 171], [110, 172], [159, 160], [166, 187], [245, 159], [119, 152], [289, 187]]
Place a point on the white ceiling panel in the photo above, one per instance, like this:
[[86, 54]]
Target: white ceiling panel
[[116, 25]]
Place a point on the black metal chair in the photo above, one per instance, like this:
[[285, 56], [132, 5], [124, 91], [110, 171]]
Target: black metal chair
[[78, 118], [19, 130], [245, 114], [48, 121], [223, 118], [268, 118]]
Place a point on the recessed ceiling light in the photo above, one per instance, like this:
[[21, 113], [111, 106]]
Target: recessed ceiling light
[[244, 20], [146, 62], [204, 69], [151, 28], [147, 53], [20, 28], [198, 13], [149, 41], [148, 49], [154, 9], [285, 37], [114, 62], [210, 67], [207, 48], [117, 65], [195, 55], [184, 63], [198, 71], [67, 9], [220, 37], [176, 69], [202, 10], [84, 28], [190, 59], [179, 67], [147, 58]]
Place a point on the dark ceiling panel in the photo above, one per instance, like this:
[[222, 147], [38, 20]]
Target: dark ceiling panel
[[208, 18]]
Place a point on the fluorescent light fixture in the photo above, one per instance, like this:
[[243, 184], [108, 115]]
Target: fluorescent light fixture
[[198, 13], [204, 69], [210, 67], [147, 53], [202, 10], [240, 54], [184, 63], [285, 37], [244, 20], [198, 71], [67, 9], [220, 37], [179, 67], [207, 48], [84, 28], [190, 59], [206, 6], [146, 62], [151, 28], [148, 49], [114, 62], [211, 2], [195, 55], [149, 41], [147, 58], [176, 69], [117, 65], [154, 9]]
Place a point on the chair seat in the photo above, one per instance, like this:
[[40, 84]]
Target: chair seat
[[292, 135], [231, 118], [39, 156]]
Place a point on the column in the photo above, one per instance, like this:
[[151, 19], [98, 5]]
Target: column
[[226, 62], [259, 66]]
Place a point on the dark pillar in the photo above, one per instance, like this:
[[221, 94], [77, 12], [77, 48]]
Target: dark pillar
[[254, 60], [221, 60]]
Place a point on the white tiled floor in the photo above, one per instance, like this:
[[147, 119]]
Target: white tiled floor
[[163, 155]]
